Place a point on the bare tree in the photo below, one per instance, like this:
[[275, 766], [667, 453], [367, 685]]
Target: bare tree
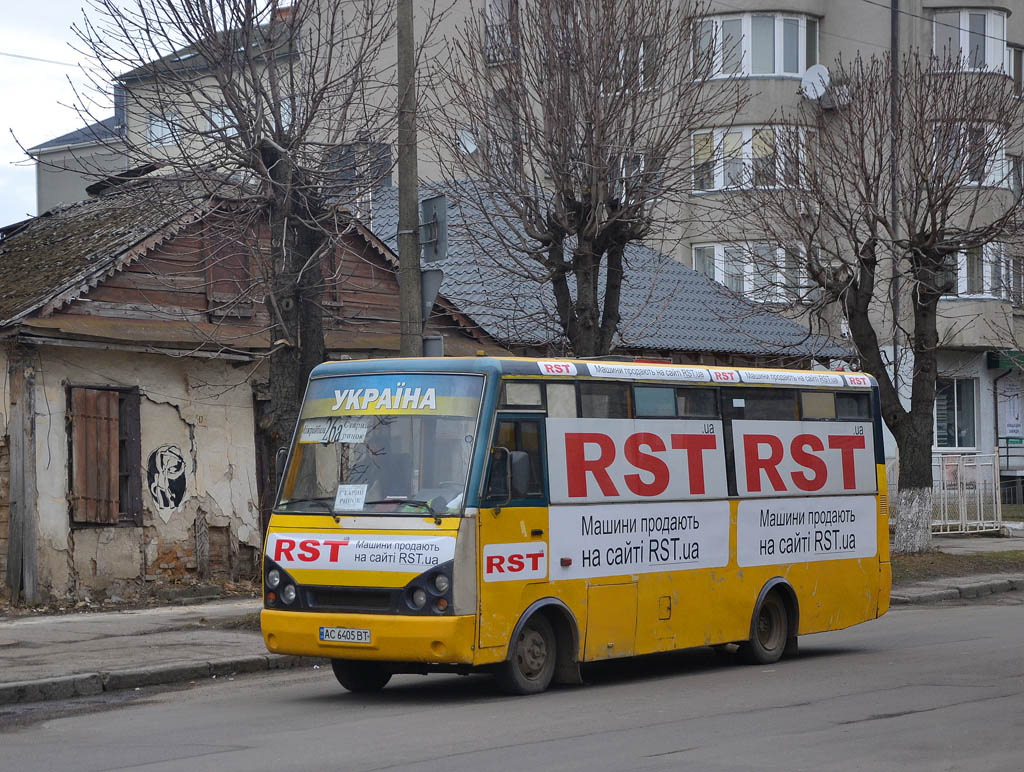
[[572, 121], [278, 110], [868, 209]]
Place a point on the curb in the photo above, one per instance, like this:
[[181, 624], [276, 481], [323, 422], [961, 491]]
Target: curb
[[92, 684], [934, 592]]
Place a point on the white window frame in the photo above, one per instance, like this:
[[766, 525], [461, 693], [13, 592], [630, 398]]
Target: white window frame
[[220, 120], [994, 264], [750, 274], [718, 145], [997, 171], [746, 35], [997, 53], [159, 130], [956, 418]]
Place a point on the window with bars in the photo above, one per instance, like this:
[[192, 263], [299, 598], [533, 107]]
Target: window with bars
[[105, 455]]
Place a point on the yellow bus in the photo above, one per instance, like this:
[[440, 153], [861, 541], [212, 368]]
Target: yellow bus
[[524, 516]]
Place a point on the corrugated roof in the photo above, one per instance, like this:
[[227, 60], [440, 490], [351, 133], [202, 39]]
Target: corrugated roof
[[69, 248], [665, 305], [95, 132]]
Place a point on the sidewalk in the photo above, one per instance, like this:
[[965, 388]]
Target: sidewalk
[[80, 654]]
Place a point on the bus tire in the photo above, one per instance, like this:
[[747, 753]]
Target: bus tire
[[532, 657], [360, 677], [769, 631]]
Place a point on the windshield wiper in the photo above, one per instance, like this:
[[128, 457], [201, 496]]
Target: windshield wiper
[[427, 505], [326, 502]]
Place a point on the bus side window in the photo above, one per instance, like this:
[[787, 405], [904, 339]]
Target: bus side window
[[764, 404], [601, 399], [524, 434], [696, 403], [654, 401], [561, 400], [853, 407], [820, 405]]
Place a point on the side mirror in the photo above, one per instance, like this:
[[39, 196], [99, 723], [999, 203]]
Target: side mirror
[[519, 463], [279, 461], [498, 477]]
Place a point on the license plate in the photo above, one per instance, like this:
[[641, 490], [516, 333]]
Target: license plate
[[344, 635]]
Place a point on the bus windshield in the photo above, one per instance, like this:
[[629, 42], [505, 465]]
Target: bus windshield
[[395, 443]]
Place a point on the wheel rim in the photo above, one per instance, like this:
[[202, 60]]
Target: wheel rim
[[531, 653], [770, 627]]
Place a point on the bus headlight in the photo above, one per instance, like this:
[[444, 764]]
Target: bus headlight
[[442, 583], [288, 594], [273, 578], [419, 598]]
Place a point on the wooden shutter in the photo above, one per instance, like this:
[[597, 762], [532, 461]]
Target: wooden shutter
[[94, 463]]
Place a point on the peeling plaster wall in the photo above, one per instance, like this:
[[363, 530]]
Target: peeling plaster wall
[[198, 408]]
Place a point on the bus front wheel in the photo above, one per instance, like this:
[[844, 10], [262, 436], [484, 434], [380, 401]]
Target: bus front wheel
[[770, 632], [531, 665], [360, 676]]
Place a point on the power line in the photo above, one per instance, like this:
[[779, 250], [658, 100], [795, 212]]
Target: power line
[[933, 20], [37, 59]]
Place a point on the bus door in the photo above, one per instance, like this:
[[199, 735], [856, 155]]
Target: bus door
[[513, 527]]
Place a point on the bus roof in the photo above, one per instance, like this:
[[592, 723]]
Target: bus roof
[[614, 369]]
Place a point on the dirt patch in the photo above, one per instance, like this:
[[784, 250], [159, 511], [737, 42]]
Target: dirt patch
[[907, 569]]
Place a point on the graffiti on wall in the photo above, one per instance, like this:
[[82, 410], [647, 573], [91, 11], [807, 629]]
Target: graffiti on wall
[[166, 477]]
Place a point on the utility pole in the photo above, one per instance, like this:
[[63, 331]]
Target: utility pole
[[894, 209], [409, 293]]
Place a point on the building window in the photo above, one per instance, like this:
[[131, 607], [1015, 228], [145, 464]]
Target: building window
[[955, 425], [500, 16], [1016, 57], [760, 44], [222, 122], [976, 36], [972, 154], [746, 156], [977, 271], [159, 130], [106, 456], [763, 272]]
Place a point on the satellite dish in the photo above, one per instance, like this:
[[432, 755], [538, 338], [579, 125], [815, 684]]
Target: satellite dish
[[815, 81]]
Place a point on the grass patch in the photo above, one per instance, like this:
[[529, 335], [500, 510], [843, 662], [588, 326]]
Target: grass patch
[[907, 569], [1013, 512]]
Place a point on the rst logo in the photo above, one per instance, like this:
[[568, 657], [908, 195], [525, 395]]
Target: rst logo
[[634, 460], [557, 368], [857, 380], [779, 458], [515, 562], [725, 376]]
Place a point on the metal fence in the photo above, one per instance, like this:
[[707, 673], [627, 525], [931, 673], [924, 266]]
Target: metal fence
[[966, 498]]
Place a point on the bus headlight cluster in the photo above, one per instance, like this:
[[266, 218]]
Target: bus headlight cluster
[[288, 594], [273, 578]]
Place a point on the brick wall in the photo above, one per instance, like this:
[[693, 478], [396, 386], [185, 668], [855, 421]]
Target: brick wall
[[5, 511]]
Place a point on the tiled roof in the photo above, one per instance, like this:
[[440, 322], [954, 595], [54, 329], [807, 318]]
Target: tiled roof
[[69, 248], [96, 132], [665, 305]]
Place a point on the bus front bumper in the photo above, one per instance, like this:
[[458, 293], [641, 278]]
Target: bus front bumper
[[447, 639]]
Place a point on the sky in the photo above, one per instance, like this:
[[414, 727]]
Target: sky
[[34, 95]]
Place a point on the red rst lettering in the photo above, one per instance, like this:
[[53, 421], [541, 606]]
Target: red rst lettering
[[646, 463], [809, 461], [577, 464], [846, 444], [535, 559], [695, 445], [309, 550], [284, 547], [515, 563], [335, 548], [494, 563], [755, 464]]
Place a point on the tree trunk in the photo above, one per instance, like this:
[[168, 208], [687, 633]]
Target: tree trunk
[[911, 513]]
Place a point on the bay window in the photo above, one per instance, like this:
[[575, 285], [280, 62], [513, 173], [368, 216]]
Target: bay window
[[764, 273], [760, 43], [975, 35]]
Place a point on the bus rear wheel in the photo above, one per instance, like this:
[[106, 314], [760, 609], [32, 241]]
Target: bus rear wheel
[[770, 632], [360, 676], [531, 665]]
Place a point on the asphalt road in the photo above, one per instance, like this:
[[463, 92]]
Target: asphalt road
[[928, 688]]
